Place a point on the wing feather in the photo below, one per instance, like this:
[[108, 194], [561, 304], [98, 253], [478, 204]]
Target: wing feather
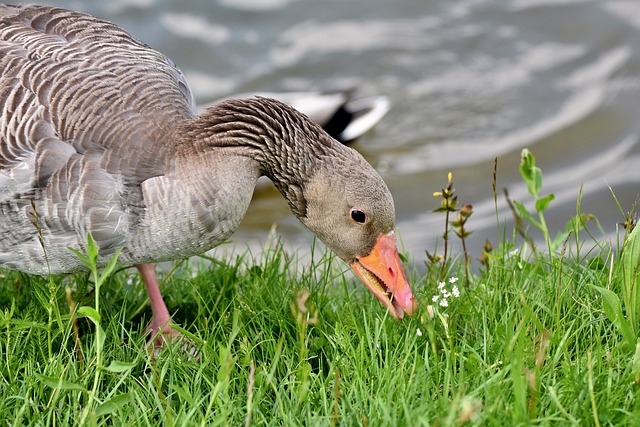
[[86, 115]]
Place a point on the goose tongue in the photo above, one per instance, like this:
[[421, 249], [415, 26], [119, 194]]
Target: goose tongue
[[381, 272]]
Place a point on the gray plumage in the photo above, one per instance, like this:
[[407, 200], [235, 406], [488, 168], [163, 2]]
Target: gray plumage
[[99, 134]]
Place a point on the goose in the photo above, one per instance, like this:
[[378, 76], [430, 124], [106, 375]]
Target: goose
[[340, 114], [99, 136]]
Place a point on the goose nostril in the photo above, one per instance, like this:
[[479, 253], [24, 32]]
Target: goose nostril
[[392, 273]]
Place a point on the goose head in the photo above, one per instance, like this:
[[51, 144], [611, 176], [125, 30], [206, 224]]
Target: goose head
[[350, 208]]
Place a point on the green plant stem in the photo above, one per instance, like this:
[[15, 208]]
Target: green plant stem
[[592, 399], [98, 346], [467, 262], [545, 231], [445, 237]]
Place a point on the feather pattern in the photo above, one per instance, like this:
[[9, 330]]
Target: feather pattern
[[85, 110], [99, 134], [96, 130]]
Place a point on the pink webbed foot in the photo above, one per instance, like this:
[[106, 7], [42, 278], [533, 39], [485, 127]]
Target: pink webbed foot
[[161, 333]]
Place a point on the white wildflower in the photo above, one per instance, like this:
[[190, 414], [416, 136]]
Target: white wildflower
[[419, 332], [443, 294]]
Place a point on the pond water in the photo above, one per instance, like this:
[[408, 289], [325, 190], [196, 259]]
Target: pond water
[[468, 81]]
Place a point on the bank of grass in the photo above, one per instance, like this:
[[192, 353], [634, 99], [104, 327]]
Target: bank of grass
[[528, 343], [537, 337]]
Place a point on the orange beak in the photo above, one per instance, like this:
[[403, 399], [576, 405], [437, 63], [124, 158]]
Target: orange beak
[[381, 271]]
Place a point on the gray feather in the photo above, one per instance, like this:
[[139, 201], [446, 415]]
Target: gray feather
[[98, 135]]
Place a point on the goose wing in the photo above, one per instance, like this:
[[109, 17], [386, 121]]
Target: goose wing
[[86, 115]]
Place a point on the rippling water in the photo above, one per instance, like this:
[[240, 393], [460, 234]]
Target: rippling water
[[468, 80]]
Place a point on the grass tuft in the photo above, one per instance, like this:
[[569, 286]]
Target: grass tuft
[[534, 339]]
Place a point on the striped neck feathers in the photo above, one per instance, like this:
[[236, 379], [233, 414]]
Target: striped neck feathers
[[288, 147]]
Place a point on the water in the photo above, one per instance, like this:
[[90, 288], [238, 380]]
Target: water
[[469, 81]]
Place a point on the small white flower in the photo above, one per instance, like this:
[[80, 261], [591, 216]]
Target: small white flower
[[455, 291], [444, 294], [419, 332]]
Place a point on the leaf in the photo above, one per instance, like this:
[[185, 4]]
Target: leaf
[[91, 257], [92, 249], [524, 213], [117, 366], [630, 264], [101, 336], [613, 309], [635, 364], [463, 235], [113, 404], [94, 316], [86, 261], [89, 312], [111, 265], [531, 174], [543, 203], [527, 163], [537, 181], [193, 338], [60, 384]]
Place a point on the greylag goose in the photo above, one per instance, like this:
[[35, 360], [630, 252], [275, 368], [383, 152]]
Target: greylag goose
[[99, 135], [342, 116]]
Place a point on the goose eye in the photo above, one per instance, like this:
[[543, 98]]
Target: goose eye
[[358, 216]]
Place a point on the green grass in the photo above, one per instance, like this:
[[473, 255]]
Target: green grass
[[549, 338], [528, 344]]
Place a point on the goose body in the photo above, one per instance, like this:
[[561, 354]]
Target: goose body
[[99, 134]]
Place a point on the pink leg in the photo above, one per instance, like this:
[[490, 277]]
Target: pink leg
[[160, 320]]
